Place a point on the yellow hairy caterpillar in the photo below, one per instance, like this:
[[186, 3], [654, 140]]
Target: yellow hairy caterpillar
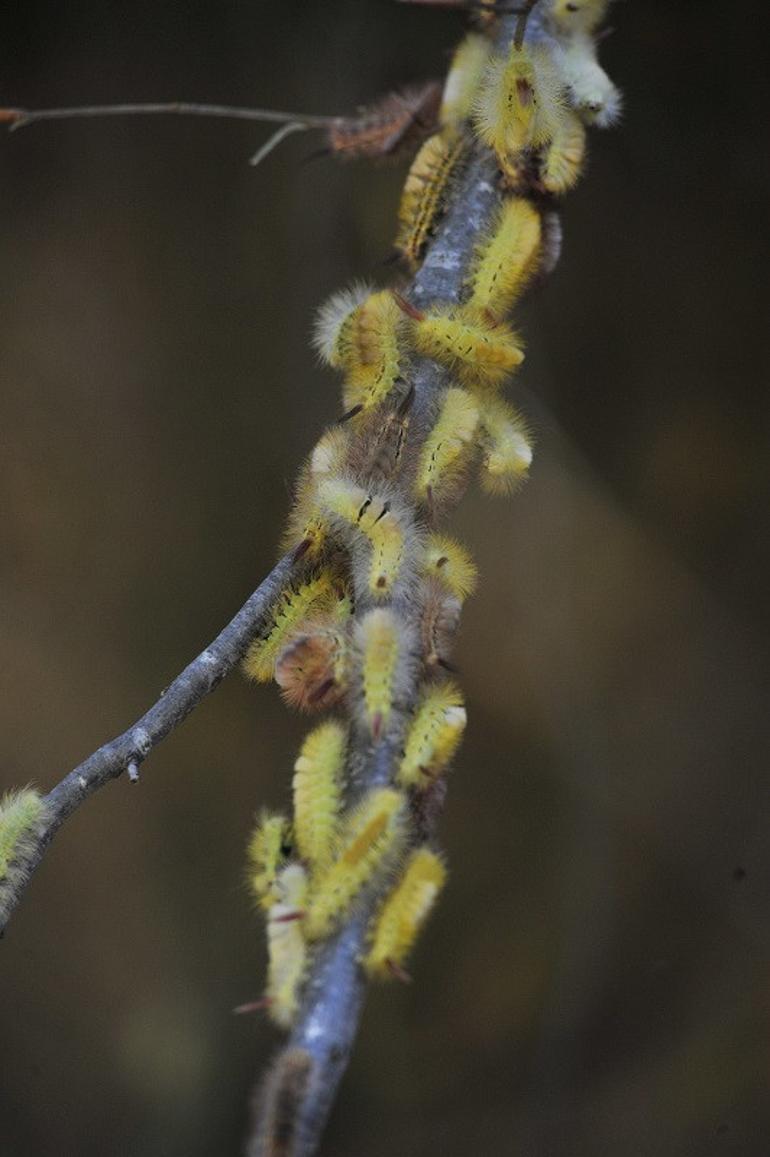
[[268, 849], [371, 833], [357, 331], [446, 451], [372, 515], [306, 530], [286, 618], [463, 80], [286, 946], [424, 193], [591, 92], [578, 15], [450, 563], [380, 658], [403, 914], [433, 736], [507, 453], [479, 347], [519, 106], [21, 817], [312, 669], [507, 259], [563, 160], [317, 786], [388, 128]]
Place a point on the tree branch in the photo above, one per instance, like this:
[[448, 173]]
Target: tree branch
[[322, 1039], [127, 751]]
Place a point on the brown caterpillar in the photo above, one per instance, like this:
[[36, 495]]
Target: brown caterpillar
[[393, 126]]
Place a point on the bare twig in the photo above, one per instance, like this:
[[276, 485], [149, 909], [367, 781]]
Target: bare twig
[[129, 750], [19, 118]]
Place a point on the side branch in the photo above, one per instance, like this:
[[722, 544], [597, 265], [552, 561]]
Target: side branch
[[126, 752]]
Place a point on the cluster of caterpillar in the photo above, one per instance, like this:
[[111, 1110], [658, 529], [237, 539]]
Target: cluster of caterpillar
[[308, 873], [368, 626]]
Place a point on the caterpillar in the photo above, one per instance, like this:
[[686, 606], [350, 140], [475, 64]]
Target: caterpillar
[[371, 833], [424, 193], [507, 453], [578, 15], [433, 736], [381, 659], [447, 450], [287, 615], [307, 530], [286, 946], [507, 258], [481, 349], [519, 106], [439, 621], [379, 521], [268, 850], [403, 914], [317, 787], [450, 564], [463, 80], [312, 668], [22, 815], [389, 128], [563, 161], [357, 330]]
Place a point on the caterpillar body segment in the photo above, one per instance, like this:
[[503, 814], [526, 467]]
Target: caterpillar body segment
[[507, 453], [375, 518], [463, 80], [371, 835], [268, 849], [389, 128], [424, 194], [403, 914], [563, 160], [382, 655], [433, 736], [507, 259], [287, 617], [317, 786], [447, 451], [286, 946], [22, 817], [450, 564], [479, 348]]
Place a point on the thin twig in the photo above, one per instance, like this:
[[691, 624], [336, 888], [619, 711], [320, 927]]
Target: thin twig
[[19, 118], [129, 750]]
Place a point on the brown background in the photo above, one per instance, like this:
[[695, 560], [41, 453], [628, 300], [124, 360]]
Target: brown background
[[596, 980]]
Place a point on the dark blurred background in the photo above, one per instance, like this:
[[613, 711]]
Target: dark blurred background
[[596, 980]]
